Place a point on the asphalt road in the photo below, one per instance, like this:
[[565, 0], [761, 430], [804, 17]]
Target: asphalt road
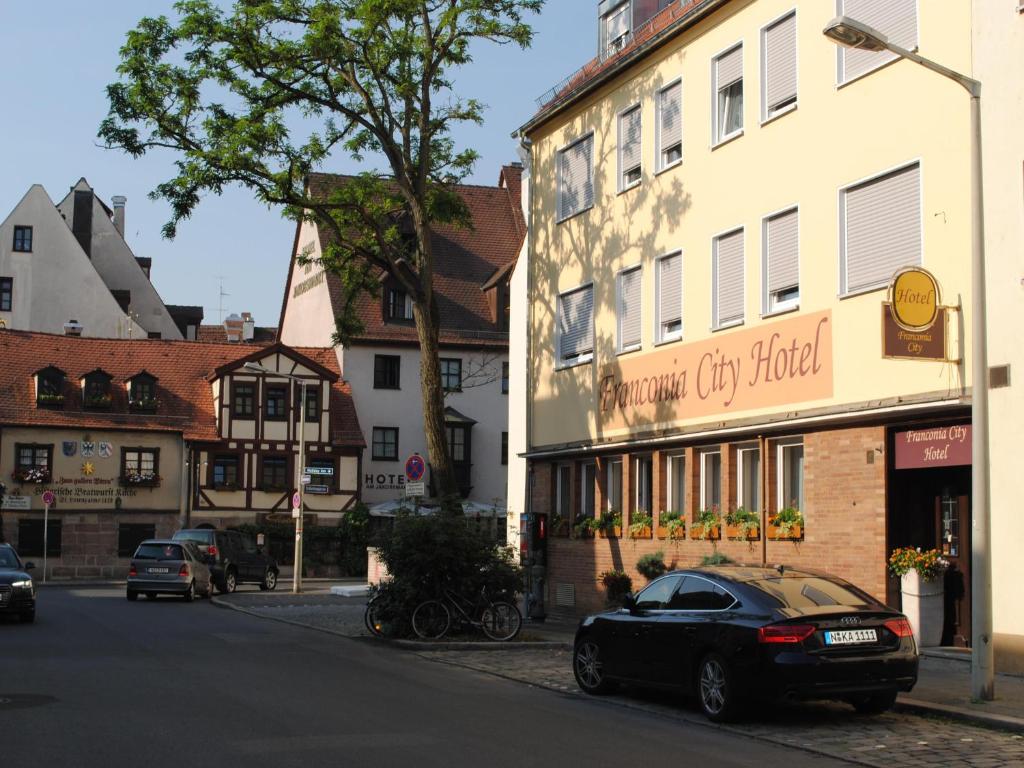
[[98, 681]]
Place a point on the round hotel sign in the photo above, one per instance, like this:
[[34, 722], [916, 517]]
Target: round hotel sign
[[914, 296]]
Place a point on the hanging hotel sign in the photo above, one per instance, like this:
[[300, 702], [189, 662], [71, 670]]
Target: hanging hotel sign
[[788, 361], [914, 322]]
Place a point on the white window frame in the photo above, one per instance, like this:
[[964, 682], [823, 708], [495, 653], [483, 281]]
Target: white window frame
[[672, 504], [715, 326], [586, 357], [593, 177], [638, 485], [789, 305], [716, 139], [620, 349], [622, 185], [780, 447], [608, 484], [659, 150], [660, 337], [765, 117], [703, 470], [741, 451], [841, 291], [840, 82]]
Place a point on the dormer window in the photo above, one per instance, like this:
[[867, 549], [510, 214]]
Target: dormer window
[[615, 29], [96, 390], [50, 388], [397, 304], [142, 393]]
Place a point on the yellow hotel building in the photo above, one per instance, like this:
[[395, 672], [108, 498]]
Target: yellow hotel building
[[717, 204]]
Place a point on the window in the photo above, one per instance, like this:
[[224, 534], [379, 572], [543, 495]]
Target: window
[[6, 293], [630, 149], [727, 275], [778, 67], [676, 501], [130, 535], [23, 239], [670, 297], [142, 393], [451, 374], [629, 284], [563, 480], [790, 462], [225, 471], [748, 478], [244, 398], [897, 19], [96, 390], [504, 448], [669, 105], [781, 262], [588, 484], [397, 304], [504, 378], [880, 229], [312, 390], [613, 485], [385, 443], [30, 538], [50, 388], [576, 326], [697, 594], [34, 462], [657, 594], [727, 112], [711, 480], [576, 178], [275, 405], [274, 473], [644, 484], [387, 371], [615, 30], [458, 444], [140, 466]]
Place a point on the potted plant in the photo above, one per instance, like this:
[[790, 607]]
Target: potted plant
[[673, 524], [786, 525], [617, 584], [743, 524], [652, 565], [586, 527], [559, 525], [134, 477], [707, 525], [922, 583], [609, 524], [640, 525], [30, 475]]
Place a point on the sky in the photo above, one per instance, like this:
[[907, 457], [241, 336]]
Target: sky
[[56, 60]]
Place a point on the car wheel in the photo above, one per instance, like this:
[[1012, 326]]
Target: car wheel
[[875, 703], [588, 667], [28, 616], [190, 593], [269, 580], [230, 582], [715, 690], [132, 596]]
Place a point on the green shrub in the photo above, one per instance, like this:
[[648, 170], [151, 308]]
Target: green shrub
[[618, 585], [652, 565], [716, 558]]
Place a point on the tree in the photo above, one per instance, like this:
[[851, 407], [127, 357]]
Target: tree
[[261, 95]]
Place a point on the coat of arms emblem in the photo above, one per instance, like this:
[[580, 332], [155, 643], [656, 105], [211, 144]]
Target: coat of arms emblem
[[106, 450], [88, 449], [70, 447]]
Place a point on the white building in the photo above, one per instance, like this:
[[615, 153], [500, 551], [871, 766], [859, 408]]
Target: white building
[[382, 364]]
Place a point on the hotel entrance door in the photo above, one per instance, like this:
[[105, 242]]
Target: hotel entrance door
[[953, 529]]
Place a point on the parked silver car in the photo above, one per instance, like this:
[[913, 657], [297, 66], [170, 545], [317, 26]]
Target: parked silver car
[[168, 567]]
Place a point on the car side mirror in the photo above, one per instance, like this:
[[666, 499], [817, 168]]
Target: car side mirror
[[30, 566], [629, 602]]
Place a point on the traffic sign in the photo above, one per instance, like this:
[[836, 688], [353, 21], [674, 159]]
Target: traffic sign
[[318, 489], [414, 468], [296, 500], [318, 471], [415, 489], [48, 498], [306, 479]]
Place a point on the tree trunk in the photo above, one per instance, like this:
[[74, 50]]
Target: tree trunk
[[427, 328]]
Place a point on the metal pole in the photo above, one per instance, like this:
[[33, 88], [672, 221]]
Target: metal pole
[[46, 536], [982, 680], [297, 574]]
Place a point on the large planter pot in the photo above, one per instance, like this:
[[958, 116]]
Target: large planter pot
[[923, 604]]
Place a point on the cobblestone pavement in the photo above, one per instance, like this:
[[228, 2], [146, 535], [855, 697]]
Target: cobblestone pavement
[[893, 740], [343, 615]]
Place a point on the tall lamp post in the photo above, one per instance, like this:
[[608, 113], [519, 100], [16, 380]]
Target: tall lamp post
[[300, 464], [854, 34]]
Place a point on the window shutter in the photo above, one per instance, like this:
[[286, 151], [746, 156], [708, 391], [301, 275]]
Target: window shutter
[[729, 277], [780, 62], [883, 227], [575, 323], [629, 138], [729, 67], [618, 23], [670, 290], [670, 116], [577, 183], [629, 308], [896, 18], [783, 252]]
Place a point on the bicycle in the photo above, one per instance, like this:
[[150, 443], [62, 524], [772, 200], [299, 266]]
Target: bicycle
[[499, 619]]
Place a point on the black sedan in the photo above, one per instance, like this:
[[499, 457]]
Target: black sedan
[[734, 634], [17, 592]]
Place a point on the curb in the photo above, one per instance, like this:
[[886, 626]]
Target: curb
[[221, 603], [961, 714]]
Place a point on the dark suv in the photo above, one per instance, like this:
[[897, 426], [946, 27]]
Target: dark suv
[[233, 558]]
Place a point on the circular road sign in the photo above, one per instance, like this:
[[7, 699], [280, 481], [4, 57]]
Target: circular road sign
[[415, 467], [48, 498], [295, 500]]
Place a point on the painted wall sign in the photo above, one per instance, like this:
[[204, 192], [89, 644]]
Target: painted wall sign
[[85, 491], [789, 361], [381, 481], [914, 297], [17, 502], [898, 343], [935, 447]]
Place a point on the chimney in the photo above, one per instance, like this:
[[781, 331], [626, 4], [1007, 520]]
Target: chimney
[[248, 326], [72, 328], [118, 202], [233, 327]]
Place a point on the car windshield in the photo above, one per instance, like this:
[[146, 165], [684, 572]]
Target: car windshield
[[159, 552], [811, 592], [199, 537], [8, 559]]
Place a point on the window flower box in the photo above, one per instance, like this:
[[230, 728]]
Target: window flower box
[[640, 526], [609, 525], [671, 525], [31, 475], [742, 533], [611, 532], [49, 401], [98, 402], [743, 525], [786, 525], [132, 479], [707, 526], [559, 526]]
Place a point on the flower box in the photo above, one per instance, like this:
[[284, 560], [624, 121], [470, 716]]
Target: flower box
[[614, 532], [661, 531], [583, 533], [142, 406], [742, 533], [100, 403], [643, 533], [140, 480], [50, 401], [795, 533], [560, 528], [30, 475], [705, 533]]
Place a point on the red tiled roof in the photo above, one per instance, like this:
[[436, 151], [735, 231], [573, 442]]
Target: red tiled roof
[[181, 368], [465, 258], [216, 333]]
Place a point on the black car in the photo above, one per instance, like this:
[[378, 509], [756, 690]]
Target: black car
[[733, 634], [17, 592], [232, 557]]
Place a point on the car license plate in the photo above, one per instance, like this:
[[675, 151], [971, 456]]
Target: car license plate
[[159, 570], [851, 637]]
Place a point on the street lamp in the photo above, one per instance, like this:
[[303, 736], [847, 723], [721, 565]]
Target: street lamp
[[853, 34], [303, 383]]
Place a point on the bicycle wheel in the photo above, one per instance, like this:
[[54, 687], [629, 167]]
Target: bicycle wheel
[[373, 621], [501, 621], [431, 619]]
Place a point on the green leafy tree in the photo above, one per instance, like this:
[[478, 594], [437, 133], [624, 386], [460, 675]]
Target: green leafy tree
[[261, 94]]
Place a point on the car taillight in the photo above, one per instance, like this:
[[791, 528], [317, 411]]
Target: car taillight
[[183, 571], [132, 571], [784, 633], [899, 627], [212, 551]]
